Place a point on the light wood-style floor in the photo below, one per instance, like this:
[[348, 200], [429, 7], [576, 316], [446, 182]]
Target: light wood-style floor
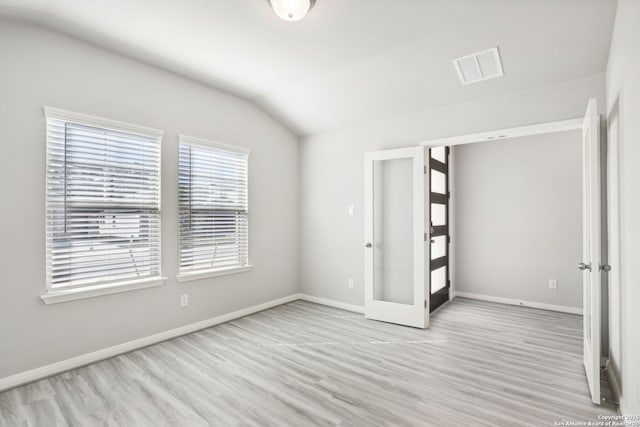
[[302, 364]]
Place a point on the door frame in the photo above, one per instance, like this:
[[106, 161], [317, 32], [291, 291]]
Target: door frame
[[493, 135], [515, 132]]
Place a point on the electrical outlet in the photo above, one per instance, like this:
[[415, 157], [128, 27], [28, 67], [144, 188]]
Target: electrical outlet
[[553, 284], [351, 283], [184, 300], [351, 211]]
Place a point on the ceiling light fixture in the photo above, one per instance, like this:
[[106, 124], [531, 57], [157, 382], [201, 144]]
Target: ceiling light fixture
[[291, 10]]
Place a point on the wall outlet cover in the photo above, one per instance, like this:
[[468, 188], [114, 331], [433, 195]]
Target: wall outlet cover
[[553, 284], [184, 300], [351, 283]]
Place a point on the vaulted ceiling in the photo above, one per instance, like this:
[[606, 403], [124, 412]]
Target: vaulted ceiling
[[348, 61]]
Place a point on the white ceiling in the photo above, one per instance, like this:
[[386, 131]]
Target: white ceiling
[[348, 61]]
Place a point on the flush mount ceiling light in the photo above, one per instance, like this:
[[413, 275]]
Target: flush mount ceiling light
[[479, 66], [291, 10]]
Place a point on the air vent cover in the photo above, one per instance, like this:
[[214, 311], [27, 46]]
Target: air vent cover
[[479, 66]]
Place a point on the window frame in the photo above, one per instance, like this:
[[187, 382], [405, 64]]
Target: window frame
[[189, 275], [57, 294]]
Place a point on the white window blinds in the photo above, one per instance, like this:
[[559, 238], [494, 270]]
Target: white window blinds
[[103, 203], [213, 199]]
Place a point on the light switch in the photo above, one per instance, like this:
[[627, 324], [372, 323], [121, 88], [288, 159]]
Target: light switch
[[351, 210]]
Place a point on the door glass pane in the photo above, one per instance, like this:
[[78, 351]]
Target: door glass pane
[[438, 182], [438, 214], [438, 279], [438, 153], [393, 230], [438, 247]]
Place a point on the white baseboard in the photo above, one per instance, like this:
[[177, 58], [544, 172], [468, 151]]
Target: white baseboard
[[332, 303], [96, 356], [511, 301], [613, 382]]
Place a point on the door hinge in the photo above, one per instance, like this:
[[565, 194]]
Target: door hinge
[[425, 237], [449, 195], [448, 239], [425, 303], [425, 169]]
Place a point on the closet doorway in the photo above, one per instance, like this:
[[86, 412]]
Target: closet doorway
[[407, 239]]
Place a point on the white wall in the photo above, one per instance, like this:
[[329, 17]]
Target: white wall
[[623, 112], [39, 68], [331, 168], [518, 213]]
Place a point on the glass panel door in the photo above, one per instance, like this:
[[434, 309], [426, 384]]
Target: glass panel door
[[396, 283], [439, 289], [592, 257]]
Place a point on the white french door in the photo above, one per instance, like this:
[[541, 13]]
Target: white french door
[[591, 250], [395, 233]]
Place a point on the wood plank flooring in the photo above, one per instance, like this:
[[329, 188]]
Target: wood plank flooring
[[302, 364]]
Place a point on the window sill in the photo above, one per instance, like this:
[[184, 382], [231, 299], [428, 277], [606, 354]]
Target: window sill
[[203, 274], [64, 295]]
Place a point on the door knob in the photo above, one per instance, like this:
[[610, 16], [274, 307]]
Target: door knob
[[368, 245], [583, 266]]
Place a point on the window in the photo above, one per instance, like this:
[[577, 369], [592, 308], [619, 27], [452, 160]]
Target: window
[[213, 203], [103, 205]]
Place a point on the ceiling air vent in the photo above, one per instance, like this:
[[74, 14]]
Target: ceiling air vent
[[479, 66]]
